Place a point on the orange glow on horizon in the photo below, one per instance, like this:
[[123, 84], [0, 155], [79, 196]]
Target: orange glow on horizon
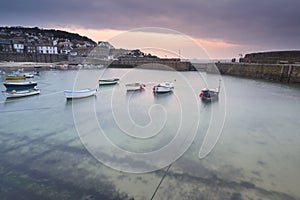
[[95, 34], [215, 43], [161, 44]]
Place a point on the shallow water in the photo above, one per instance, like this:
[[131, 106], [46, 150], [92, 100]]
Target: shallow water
[[244, 146]]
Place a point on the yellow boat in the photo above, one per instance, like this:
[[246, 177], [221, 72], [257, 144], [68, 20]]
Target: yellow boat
[[14, 77]]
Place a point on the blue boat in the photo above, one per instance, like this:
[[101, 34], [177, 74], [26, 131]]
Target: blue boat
[[20, 85]]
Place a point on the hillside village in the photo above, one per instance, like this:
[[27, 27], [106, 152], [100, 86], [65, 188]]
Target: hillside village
[[35, 45], [35, 40], [29, 44]]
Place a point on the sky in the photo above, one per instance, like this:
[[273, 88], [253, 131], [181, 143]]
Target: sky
[[221, 28]]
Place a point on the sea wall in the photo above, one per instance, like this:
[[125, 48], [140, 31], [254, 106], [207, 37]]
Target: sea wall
[[289, 73], [146, 63], [154, 64], [206, 67], [273, 57], [33, 57]]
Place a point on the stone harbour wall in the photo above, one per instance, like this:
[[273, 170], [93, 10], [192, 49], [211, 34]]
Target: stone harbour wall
[[33, 57], [155, 64], [273, 57], [289, 73]]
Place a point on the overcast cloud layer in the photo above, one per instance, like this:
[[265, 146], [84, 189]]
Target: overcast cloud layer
[[270, 23]]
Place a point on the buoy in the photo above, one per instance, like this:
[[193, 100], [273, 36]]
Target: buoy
[[201, 94], [14, 91]]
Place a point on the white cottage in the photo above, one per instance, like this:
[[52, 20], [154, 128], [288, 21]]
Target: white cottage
[[47, 49], [18, 47]]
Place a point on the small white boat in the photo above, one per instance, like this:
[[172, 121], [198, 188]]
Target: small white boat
[[163, 87], [108, 81], [22, 93], [76, 94], [29, 75], [135, 86]]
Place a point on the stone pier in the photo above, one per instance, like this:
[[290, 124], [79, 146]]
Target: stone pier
[[287, 73]]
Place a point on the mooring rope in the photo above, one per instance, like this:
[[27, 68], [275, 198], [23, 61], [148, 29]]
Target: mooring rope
[[161, 180]]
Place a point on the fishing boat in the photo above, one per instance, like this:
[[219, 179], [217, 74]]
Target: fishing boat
[[210, 94], [20, 85], [135, 86], [108, 81], [22, 93], [14, 77], [163, 87], [82, 93]]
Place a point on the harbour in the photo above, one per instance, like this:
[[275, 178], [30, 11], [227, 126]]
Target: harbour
[[45, 155]]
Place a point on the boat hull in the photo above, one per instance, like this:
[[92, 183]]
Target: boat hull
[[108, 81], [163, 88], [208, 99], [72, 94], [15, 77], [158, 89], [135, 86], [29, 75], [22, 93], [209, 95], [19, 85]]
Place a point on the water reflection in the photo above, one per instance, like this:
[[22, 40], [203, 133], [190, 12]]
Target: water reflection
[[257, 156]]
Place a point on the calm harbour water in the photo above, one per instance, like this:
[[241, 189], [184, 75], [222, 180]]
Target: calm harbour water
[[255, 125]]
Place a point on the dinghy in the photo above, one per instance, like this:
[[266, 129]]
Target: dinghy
[[163, 87], [108, 81], [135, 86], [22, 93], [76, 94]]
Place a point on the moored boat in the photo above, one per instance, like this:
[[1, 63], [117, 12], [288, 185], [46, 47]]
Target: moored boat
[[14, 77], [163, 87], [29, 75], [22, 93], [82, 93], [210, 94], [21, 72], [20, 85], [134, 86], [108, 81]]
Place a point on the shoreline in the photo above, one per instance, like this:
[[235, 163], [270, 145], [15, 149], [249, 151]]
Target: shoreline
[[284, 73], [25, 65]]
